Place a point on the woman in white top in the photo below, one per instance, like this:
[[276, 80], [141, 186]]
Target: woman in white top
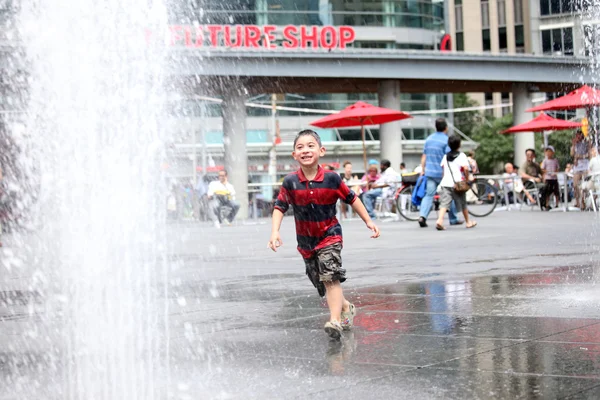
[[456, 169]]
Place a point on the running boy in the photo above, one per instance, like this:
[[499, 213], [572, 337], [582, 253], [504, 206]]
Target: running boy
[[456, 168], [313, 194]]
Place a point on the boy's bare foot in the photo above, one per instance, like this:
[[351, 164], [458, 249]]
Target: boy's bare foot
[[333, 329], [471, 224]]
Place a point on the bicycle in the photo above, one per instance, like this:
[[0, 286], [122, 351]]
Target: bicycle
[[482, 199]]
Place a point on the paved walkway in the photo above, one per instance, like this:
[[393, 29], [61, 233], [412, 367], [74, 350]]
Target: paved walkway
[[508, 310]]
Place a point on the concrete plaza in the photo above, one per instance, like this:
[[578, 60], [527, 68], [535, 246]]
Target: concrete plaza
[[508, 310]]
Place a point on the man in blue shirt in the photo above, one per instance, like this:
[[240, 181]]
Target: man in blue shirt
[[436, 146]]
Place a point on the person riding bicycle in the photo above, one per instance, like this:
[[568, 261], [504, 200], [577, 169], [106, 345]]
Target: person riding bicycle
[[221, 194]]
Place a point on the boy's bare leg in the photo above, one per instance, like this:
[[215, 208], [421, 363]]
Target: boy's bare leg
[[335, 300]]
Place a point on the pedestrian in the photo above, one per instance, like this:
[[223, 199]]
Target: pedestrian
[[403, 169], [313, 193], [473, 162], [348, 177], [436, 146], [456, 169], [580, 151], [550, 169]]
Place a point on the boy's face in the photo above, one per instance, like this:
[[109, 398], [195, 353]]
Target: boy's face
[[549, 153], [307, 151], [348, 169], [373, 171]]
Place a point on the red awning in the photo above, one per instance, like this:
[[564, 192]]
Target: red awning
[[543, 122], [583, 97], [360, 114]]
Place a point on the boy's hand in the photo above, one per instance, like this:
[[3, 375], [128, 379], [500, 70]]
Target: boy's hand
[[371, 225], [275, 241]]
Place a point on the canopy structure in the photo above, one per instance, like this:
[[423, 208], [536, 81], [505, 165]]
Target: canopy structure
[[361, 114], [543, 122], [584, 97]]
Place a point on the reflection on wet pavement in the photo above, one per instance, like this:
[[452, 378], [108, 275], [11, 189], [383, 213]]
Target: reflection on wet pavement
[[534, 335]]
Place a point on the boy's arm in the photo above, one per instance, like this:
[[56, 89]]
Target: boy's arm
[[360, 209], [275, 240]]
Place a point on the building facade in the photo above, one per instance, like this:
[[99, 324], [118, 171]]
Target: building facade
[[383, 25], [544, 27]]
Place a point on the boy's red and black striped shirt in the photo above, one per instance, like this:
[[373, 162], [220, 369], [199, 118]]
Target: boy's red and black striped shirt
[[314, 205]]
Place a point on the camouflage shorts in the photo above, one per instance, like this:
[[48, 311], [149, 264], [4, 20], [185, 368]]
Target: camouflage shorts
[[325, 265]]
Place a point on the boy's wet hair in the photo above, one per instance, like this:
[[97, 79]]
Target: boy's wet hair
[[454, 142], [308, 132]]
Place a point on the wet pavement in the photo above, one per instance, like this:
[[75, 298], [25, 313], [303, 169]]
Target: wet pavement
[[509, 310]]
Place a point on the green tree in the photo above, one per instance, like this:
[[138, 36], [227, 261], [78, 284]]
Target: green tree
[[466, 121], [494, 148]]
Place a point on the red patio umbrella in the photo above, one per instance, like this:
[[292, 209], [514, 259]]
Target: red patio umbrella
[[543, 122], [361, 114], [584, 97]]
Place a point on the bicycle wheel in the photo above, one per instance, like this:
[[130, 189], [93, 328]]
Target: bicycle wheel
[[482, 198], [405, 206]]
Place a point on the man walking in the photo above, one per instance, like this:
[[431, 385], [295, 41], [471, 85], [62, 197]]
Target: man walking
[[436, 146]]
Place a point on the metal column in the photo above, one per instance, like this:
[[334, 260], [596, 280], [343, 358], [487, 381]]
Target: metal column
[[234, 138], [525, 140], [390, 134]]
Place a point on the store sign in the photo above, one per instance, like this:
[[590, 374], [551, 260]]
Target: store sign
[[260, 37]]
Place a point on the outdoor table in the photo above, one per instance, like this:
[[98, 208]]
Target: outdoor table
[[565, 197]]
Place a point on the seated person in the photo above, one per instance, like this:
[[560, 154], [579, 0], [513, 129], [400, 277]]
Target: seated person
[[221, 193], [372, 174], [593, 172], [381, 187], [512, 185]]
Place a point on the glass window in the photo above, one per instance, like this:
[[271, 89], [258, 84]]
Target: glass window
[[568, 41], [487, 43], [502, 39], [419, 134], [518, 9], [566, 6], [485, 14], [591, 39], [545, 7], [546, 42], [555, 6], [557, 41], [458, 16], [501, 13], [519, 37], [489, 100], [460, 41]]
